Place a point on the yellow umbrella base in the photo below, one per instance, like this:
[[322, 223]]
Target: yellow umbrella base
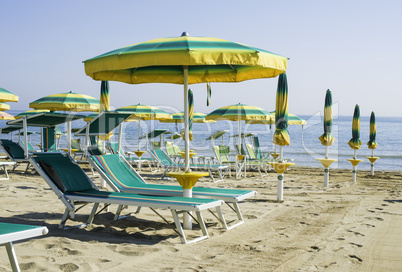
[[354, 162], [187, 180], [372, 159], [327, 162], [280, 167]]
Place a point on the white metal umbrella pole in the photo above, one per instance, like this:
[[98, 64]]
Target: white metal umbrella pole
[[86, 140], [120, 138], [69, 137], [139, 133], [281, 153], [186, 132], [25, 126]]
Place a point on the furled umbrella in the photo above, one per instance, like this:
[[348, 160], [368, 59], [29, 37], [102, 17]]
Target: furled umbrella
[[190, 114], [6, 96], [143, 112], [372, 143], [71, 102], [355, 142], [327, 139], [104, 101]]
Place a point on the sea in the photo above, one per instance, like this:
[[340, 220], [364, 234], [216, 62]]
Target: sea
[[304, 148]]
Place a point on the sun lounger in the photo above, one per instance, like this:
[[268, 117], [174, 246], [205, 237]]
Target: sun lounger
[[10, 233], [131, 156], [15, 152], [168, 164], [72, 186], [121, 177]]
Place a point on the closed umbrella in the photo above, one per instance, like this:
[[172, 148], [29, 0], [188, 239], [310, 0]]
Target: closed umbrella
[[6, 96], [355, 142], [372, 143], [327, 139], [190, 114], [143, 112], [104, 101]]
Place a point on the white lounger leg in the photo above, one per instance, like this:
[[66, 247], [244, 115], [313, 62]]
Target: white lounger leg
[[12, 257]]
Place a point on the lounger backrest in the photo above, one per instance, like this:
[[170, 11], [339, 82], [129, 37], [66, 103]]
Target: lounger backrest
[[94, 150], [30, 147], [162, 157], [224, 151], [117, 170], [75, 144], [250, 151], [64, 173], [257, 147], [169, 148], [177, 149], [13, 149]]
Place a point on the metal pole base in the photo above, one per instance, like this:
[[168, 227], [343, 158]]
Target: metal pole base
[[187, 221], [280, 187]]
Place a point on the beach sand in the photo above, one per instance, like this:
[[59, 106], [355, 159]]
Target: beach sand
[[347, 227]]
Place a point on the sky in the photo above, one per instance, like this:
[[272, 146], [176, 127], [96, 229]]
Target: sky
[[351, 47]]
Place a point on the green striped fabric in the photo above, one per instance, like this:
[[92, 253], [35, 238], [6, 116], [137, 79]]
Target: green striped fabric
[[238, 112], [208, 60], [144, 112], [29, 113], [104, 97], [372, 144], [66, 102], [327, 139], [355, 142], [190, 109], [6, 96], [281, 134]]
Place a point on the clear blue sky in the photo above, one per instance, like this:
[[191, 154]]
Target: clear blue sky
[[350, 47]]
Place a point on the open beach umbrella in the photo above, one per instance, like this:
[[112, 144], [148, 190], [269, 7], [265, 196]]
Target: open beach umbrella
[[143, 112], [4, 106], [327, 139], [372, 144], [71, 102], [178, 117], [185, 60], [281, 134], [29, 113], [355, 142], [239, 112], [6, 116], [6, 96]]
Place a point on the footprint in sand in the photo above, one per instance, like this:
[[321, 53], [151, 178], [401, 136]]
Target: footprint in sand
[[356, 233], [356, 258], [357, 245], [375, 218]]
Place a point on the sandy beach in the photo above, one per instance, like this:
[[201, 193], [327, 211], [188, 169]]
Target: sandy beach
[[347, 227]]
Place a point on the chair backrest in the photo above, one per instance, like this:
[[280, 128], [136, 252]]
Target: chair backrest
[[76, 144], [14, 150], [177, 149], [170, 148], [241, 150], [250, 151], [30, 147], [224, 151], [94, 150], [116, 169], [161, 156], [257, 148], [63, 172]]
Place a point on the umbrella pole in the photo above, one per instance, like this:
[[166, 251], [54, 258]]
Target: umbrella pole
[[86, 140], [139, 133], [24, 122], [354, 154], [186, 125], [120, 137], [69, 137], [326, 152], [281, 153]]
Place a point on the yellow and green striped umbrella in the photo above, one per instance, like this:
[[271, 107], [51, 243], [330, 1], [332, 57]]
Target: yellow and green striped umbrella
[[178, 117], [104, 101], [355, 142], [4, 106], [6, 96], [239, 112], [372, 144], [29, 113], [190, 113], [142, 112], [66, 102], [292, 120], [208, 60], [281, 134], [327, 139], [6, 116]]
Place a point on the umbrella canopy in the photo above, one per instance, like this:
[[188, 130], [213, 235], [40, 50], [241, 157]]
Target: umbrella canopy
[[355, 142], [104, 97], [6, 96], [29, 113], [208, 60], [6, 116], [185, 60], [327, 139], [143, 112], [4, 106], [372, 144], [178, 117], [292, 120], [66, 102], [281, 134]]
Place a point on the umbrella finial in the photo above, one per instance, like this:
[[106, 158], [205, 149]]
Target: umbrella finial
[[184, 34]]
